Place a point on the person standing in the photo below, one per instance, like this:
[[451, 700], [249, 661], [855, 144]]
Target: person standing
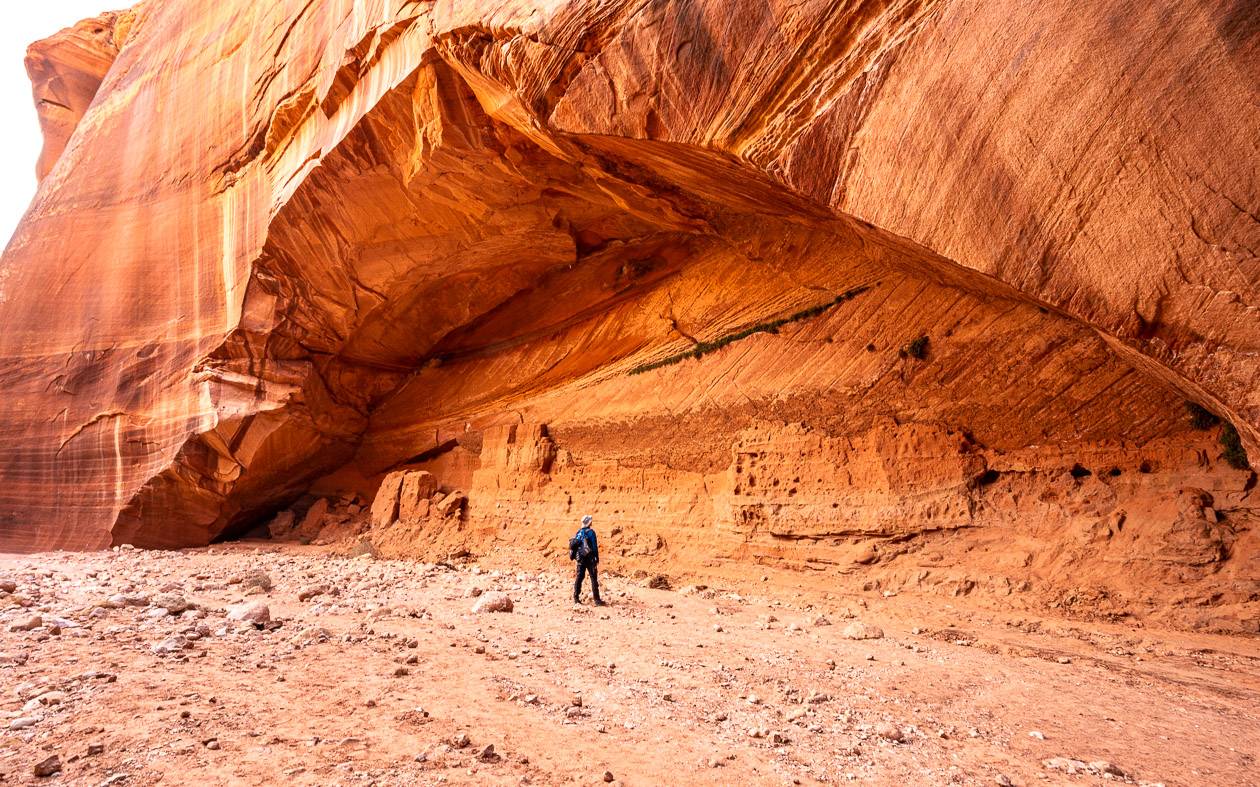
[[584, 549]]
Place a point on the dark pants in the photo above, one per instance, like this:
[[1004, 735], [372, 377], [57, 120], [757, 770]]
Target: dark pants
[[582, 569]]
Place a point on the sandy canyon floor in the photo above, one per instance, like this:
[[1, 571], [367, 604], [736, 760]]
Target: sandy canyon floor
[[380, 672]]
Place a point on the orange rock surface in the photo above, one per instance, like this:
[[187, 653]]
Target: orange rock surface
[[912, 293]]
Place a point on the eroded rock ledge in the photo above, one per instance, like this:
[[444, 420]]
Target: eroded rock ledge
[[917, 292]]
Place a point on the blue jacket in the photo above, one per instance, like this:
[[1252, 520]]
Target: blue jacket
[[588, 534]]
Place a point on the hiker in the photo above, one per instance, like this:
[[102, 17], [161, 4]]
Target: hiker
[[584, 548]]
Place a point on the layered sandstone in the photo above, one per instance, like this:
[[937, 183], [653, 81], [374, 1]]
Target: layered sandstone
[[66, 71], [904, 292]]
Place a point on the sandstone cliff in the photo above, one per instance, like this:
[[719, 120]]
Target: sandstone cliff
[[916, 291]]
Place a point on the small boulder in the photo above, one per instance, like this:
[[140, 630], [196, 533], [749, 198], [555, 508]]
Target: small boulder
[[413, 499], [385, 504], [889, 732], [171, 645], [452, 504], [859, 630], [254, 612], [29, 623], [313, 522], [364, 549], [281, 525], [488, 754], [311, 591], [48, 767], [254, 578], [171, 602], [493, 601]]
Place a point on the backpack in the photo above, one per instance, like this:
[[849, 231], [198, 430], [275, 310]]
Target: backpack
[[579, 546]]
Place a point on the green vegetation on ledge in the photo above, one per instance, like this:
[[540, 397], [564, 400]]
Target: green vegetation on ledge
[[773, 326]]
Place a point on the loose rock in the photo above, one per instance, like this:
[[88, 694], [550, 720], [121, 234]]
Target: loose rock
[[889, 732], [27, 624], [493, 601], [859, 630], [48, 767], [254, 612], [171, 602]]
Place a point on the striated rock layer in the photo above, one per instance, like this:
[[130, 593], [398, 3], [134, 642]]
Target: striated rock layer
[[916, 291]]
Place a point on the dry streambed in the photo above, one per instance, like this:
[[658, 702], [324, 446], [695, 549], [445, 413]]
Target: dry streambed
[[287, 665]]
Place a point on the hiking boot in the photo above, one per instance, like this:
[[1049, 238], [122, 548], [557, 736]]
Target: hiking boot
[[599, 603], [577, 601]]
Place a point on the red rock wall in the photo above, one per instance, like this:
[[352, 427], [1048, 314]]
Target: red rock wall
[[66, 71], [296, 244]]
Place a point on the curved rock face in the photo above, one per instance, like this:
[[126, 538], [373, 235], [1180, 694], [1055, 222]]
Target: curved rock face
[[805, 284], [66, 72]]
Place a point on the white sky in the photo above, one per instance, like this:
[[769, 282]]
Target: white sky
[[20, 141]]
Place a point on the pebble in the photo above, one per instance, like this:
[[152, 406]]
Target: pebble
[[23, 722], [608, 776]]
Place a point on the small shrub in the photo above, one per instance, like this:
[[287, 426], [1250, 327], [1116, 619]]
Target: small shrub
[[1234, 454], [1201, 418]]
